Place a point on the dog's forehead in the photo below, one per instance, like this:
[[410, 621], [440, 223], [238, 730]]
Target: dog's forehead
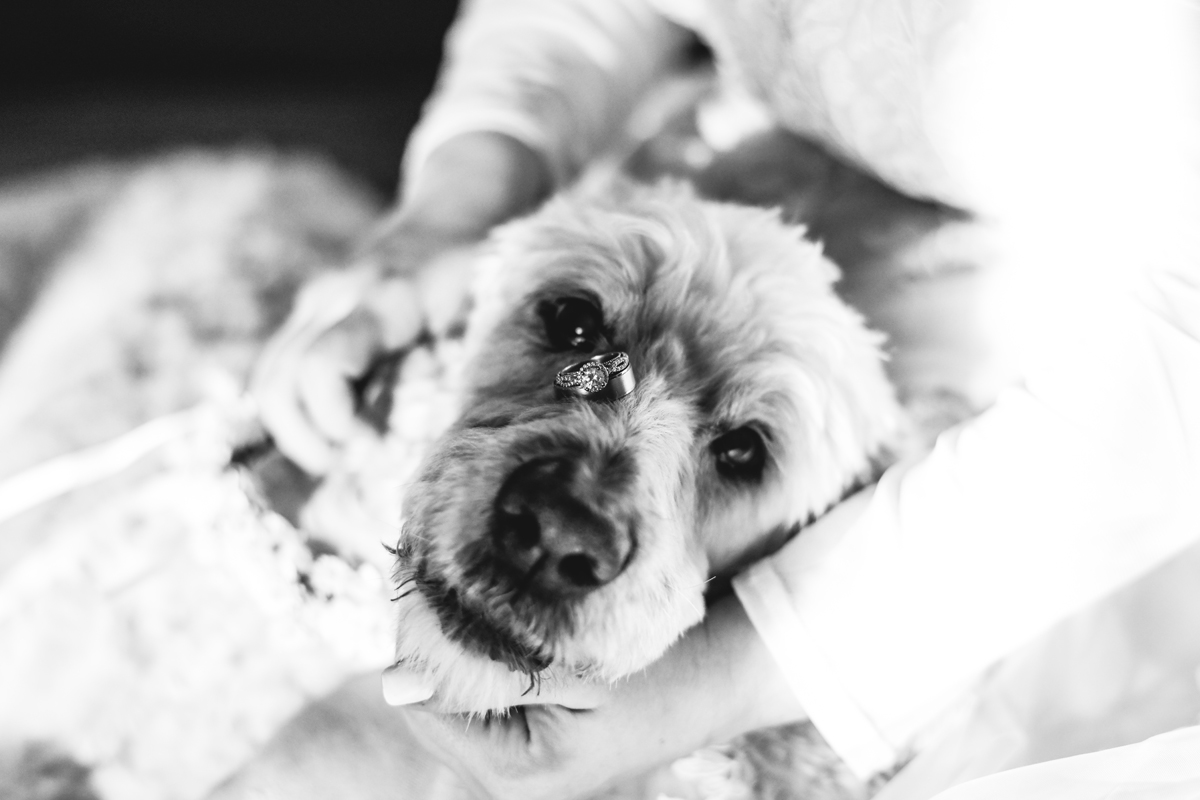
[[712, 295]]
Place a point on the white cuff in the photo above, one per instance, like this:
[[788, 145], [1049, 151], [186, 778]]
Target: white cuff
[[810, 675]]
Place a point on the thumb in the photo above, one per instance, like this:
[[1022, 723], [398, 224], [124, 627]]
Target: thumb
[[404, 687], [396, 306]]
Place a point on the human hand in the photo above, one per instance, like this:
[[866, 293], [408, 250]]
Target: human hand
[[717, 682], [414, 279]]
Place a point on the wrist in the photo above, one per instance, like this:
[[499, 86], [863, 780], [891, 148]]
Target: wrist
[[466, 187], [473, 182], [760, 696]]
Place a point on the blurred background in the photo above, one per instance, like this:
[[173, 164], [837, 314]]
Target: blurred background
[[101, 80], [150, 205]]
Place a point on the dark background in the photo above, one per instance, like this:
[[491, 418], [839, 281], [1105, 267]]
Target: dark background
[[120, 78]]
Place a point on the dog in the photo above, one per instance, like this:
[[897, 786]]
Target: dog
[[761, 399], [554, 538], [691, 336]]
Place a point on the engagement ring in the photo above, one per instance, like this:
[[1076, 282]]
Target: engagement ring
[[607, 376]]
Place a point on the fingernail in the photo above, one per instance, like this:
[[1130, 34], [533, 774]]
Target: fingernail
[[403, 687]]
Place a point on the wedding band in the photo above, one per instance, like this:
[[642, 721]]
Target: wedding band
[[607, 376]]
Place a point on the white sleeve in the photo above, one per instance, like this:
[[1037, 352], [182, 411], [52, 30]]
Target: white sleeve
[[560, 76], [1077, 481]]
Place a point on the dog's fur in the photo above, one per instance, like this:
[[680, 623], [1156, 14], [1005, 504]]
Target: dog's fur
[[734, 265], [730, 320], [708, 297]]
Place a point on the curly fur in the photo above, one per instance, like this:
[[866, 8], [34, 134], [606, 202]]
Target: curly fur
[[727, 312], [730, 319]]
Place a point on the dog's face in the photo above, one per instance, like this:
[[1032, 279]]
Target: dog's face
[[550, 536]]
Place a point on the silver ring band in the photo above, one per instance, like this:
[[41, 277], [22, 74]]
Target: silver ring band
[[608, 376]]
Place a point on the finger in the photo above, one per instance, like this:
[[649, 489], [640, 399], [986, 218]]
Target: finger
[[342, 353], [274, 385], [275, 392], [445, 288], [403, 687], [396, 306]]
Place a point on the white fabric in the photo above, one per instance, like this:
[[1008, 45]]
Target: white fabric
[[560, 76], [1084, 476], [1116, 673], [1078, 480], [1166, 767]]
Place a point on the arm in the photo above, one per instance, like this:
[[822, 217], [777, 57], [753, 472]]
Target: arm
[[412, 275], [532, 89], [1079, 479], [530, 92], [714, 684], [559, 76]]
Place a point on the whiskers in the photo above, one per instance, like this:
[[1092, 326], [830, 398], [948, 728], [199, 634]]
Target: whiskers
[[685, 592], [535, 684], [411, 582]]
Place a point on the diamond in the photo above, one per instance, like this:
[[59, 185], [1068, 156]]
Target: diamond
[[592, 377]]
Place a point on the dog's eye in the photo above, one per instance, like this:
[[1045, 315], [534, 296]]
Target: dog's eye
[[572, 323], [740, 453]]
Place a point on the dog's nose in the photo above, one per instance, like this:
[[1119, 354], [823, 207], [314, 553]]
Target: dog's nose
[[547, 531]]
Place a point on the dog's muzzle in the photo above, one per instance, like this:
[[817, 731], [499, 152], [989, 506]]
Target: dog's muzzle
[[608, 376], [552, 535]]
